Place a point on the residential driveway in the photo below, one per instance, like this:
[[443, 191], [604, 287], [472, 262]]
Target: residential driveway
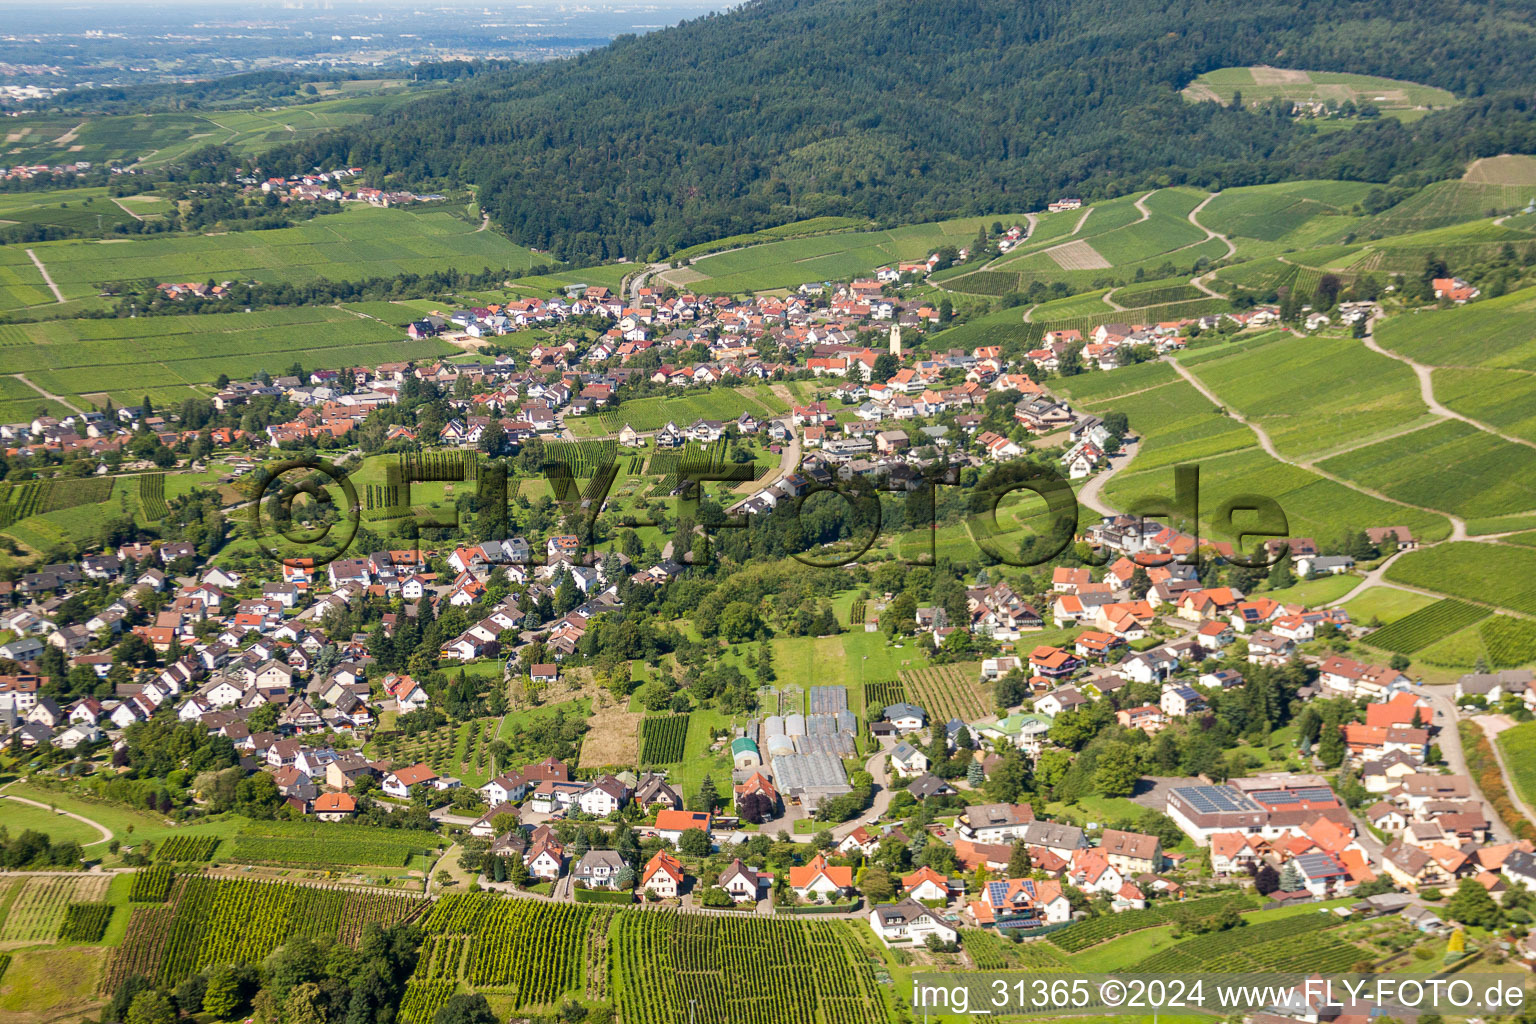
[[876, 767]]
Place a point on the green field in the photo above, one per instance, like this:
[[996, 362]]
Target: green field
[[1426, 626], [129, 357], [1503, 399], [1502, 327], [792, 262], [157, 139], [1260, 84], [1517, 746], [1327, 393], [1387, 604], [358, 243], [1498, 574], [1450, 466]]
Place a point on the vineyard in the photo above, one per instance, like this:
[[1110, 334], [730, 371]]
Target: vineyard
[[671, 968], [582, 458], [152, 496], [948, 691], [1423, 627], [327, 844], [533, 951], [38, 911], [217, 921], [186, 849], [1509, 641], [85, 922], [34, 497], [991, 952], [884, 694], [661, 739], [1082, 934], [1271, 946], [152, 885]]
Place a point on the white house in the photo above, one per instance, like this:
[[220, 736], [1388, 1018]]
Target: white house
[[909, 922]]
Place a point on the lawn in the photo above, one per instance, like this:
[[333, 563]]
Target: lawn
[[63, 980], [1313, 593], [1386, 604], [20, 817]]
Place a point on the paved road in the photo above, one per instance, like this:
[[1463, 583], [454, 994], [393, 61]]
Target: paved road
[[1449, 741], [1089, 495], [875, 765], [1492, 725]]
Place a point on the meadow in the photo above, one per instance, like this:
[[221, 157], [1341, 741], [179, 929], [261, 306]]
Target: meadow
[[1517, 746], [357, 243], [166, 356]]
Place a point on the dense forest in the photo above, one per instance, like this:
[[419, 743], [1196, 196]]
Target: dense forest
[[903, 110]]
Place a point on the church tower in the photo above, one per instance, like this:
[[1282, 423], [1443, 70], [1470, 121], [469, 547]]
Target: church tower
[[896, 340]]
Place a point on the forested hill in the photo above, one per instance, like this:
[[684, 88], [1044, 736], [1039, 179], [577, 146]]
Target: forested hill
[[911, 109]]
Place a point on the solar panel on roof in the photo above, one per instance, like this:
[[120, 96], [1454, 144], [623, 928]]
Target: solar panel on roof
[[997, 893]]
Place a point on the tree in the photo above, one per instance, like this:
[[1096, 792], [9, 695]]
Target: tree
[[1330, 746], [716, 897], [226, 992], [1118, 770], [1267, 880], [493, 440], [1140, 583], [694, 842], [151, 1007], [464, 1008], [876, 884], [885, 367], [1290, 877], [1019, 862], [1471, 905]]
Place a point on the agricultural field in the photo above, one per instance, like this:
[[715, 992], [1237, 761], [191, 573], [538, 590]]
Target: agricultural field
[[1084, 934], [1502, 327], [165, 356], [1503, 399], [1442, 204], [21, 283], [1174, 421], [1427, 625], [358, 243], [1264, 946], [186, 849], [1517, 746], [1450, 466], [990, 952], [948, 691], [531, 951], [662, 739], [38, 909], [672, 968], [647, 414], [1333, 391], [1510, 642], [1260, 84], [1499, 574], [831, 257], [326, 844], [1299, 212], [216, 921], [84, 209]]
